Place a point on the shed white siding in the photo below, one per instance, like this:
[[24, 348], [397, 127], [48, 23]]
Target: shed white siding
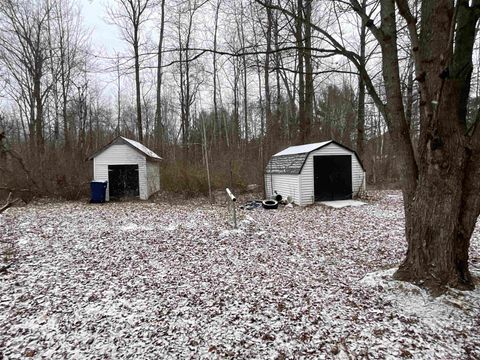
[[284, 184], [301, 186], [306, 175], [153, 177], [121, 155]]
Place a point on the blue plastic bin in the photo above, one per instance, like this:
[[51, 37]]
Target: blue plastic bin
[[98, 190]]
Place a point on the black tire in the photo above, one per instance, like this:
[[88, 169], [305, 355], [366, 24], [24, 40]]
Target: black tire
[[270, 204]]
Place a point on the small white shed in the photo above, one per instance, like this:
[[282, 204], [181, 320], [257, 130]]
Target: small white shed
[[131, 169], [315, 172]]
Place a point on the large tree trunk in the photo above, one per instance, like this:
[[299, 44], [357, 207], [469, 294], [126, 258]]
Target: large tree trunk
[[439, 224], [395, 115], [441, 214]]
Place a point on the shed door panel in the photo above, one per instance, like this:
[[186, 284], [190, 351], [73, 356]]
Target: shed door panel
[[123, 181], [332, 177]]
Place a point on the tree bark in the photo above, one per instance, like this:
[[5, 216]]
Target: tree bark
[[361, 89], [37, 94], [441, 214], [9, 203], [309, 89], [268, 98], [137, 83], [278, 111], [409, 99], [216, 123], [242, 39], [301, 74], [119, 98], [158, 111]]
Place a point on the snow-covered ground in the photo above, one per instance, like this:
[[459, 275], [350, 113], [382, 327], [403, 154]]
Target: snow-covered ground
[[147, 281]]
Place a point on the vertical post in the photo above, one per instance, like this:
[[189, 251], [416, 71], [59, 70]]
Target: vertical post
[[206, 162], [233, 199], [364, 182]]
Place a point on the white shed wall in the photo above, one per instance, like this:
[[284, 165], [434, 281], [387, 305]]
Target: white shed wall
[[306, 176], [121, 155], [285, 185], [153, 177]]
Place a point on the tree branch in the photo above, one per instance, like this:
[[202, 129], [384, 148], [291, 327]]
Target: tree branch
[[10, 202], [350, 55], [377, 33]]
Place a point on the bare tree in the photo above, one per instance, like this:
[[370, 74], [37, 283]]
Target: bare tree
[[190, 71], [129, 16], [309, 88], [243, 44], [302, 120], [216, 122], [361, 86], [70, 43], [119, 92], [268, 97], [158, 111], [24, 52]]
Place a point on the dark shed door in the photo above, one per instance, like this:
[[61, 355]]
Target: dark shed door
[[123, 181], [332, 177]]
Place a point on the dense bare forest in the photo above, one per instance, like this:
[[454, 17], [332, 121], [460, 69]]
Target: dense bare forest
[[231, 90], [219, 86]]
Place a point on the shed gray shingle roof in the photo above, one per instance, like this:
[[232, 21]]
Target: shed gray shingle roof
[[290, 161], [286, 164]]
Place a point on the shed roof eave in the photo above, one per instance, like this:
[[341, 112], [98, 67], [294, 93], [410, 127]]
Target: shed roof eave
[[149, 154], [282, 173], [302, 149], [313, 147], [142, 148]]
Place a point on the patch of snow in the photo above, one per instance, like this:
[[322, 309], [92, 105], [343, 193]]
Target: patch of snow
[[338, 204], [170, 227], [135, 227], [232, 232], [423, 314], [142, 280]]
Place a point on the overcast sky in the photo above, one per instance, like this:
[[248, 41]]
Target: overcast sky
[[104, 36]]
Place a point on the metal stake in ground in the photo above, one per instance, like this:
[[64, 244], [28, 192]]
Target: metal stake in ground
[[233, 200]]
